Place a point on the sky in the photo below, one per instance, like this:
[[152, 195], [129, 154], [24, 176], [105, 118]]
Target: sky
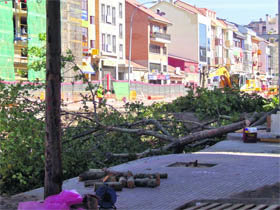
[[238, 11]]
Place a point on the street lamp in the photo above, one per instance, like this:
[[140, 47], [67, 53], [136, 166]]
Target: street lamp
[[130, 37]]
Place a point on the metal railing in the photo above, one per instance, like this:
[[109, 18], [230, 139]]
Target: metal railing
[[161, 36]]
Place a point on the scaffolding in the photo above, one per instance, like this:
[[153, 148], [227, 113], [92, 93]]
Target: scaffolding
[[7, 71], [36, 21]]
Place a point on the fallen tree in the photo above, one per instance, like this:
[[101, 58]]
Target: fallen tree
[[179, 143], [173, 134]]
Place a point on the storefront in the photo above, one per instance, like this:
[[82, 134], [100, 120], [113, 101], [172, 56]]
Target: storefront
[[159, 78], [189, 69]]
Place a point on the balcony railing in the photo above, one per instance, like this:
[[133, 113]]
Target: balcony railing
[[248, 47], [228, 44], [218, 41], [161, 36]]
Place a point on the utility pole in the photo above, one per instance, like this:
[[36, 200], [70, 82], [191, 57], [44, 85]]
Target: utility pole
[[53, 166]]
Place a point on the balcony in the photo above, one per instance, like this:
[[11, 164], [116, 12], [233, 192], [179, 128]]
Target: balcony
[[248, 47], [20, 8], [228, 44], [218, 42], [218, 61], [161, 37]]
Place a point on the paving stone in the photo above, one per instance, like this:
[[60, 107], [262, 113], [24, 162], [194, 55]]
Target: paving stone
[[235, 172]]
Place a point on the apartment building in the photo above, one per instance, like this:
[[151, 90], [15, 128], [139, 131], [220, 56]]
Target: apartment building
[[265, 64], [24, 22], [271, 24], [256, 52], [247, 49], [18, 32], [150, 41], [110, 39], [274, 63], [238, 59], [258, 26], [190, 32], [87, 34]]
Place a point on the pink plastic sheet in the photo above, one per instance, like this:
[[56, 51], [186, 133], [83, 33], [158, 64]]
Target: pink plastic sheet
[[62, 201]]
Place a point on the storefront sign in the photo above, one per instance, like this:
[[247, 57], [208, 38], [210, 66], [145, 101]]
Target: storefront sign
[[109, 63], [152, 77], [161, 77], [94, 52], [158, 77]]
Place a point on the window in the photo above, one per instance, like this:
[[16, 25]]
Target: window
[[113, 15], [85, 5], [114, 43], [154, 48], [120, 10], [155, 28], [202, 35], [103, 13], [92, 43], [92, 20], [121, 51], [164, 68], [202, 54], [164, 50], [108, 39], [103, 42], [120, 31], [109, 43], [155, 67], [108, 10], [85, 37], [85, 10]]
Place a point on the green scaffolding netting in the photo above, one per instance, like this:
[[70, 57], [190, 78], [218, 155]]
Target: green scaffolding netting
[[36, 21], [7, 71]]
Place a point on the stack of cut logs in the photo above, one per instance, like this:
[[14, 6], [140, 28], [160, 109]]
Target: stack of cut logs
[[118, 180]]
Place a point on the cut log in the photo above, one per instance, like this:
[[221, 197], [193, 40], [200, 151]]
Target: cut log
[[110, 178], [158, 179], [118, 174], [130, 182], [92, 174], [115, 185], [91, 202], [123, 181], [262, 120], [141, 182], [89, 183], [143, 175], [146, 182]]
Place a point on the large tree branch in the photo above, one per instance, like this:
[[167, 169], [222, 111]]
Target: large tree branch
[[183, 141], [141, 132]]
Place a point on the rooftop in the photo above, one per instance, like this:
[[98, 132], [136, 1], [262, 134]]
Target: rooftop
[[148, 11], [189, 7]]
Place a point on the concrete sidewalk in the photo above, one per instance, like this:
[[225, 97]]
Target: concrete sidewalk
[[239, 167]]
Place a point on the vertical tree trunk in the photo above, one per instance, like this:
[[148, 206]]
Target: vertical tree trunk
[[53, 166]]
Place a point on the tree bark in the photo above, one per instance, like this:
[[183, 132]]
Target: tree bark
[[53, 166]]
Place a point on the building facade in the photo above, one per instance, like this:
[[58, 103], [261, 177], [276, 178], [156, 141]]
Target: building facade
[[149, 41], [110, 36]]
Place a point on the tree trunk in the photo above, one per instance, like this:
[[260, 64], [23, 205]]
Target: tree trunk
[[53, 166]]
